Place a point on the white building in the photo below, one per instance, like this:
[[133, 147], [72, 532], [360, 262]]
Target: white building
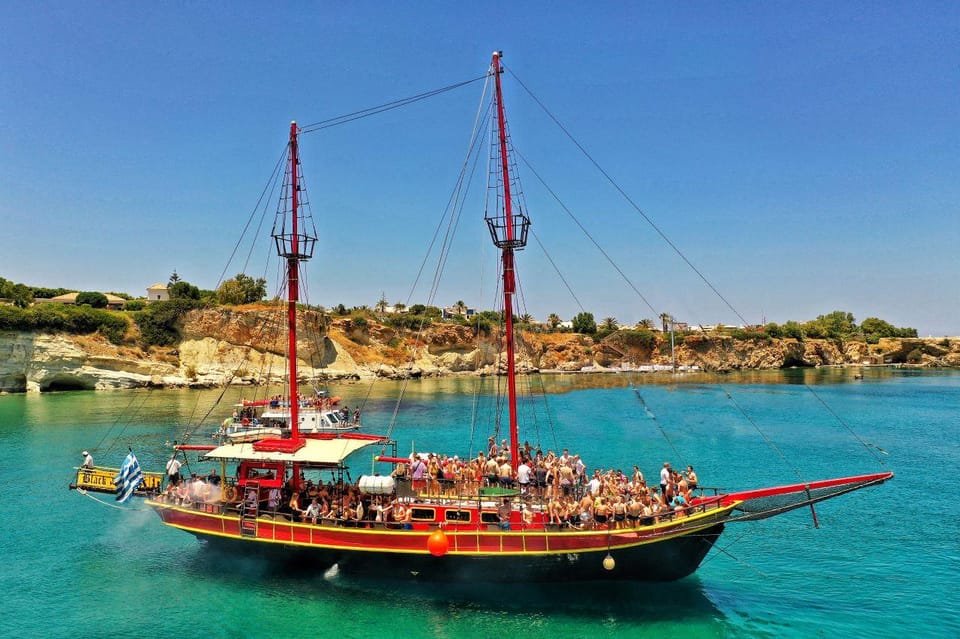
[[158, 293]]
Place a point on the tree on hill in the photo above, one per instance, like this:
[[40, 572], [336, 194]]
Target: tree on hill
[[554, 320], [181, 290], [584, 323], [242, 289], [20, 295], [91, 299], [609, 323], [835, 325], [665, 320]]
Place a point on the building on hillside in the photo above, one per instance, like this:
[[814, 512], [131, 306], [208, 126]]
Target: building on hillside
[[113, 302], [450, 312], [158, 293]]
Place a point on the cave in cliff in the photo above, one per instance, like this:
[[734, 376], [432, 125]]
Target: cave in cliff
[[65, 383]]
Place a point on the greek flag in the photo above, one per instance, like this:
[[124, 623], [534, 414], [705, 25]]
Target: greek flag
[[129, 478]]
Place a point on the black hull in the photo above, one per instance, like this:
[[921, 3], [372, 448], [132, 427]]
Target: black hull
[[667, 560]]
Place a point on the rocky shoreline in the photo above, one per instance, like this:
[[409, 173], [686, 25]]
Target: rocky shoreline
[[245, 346]]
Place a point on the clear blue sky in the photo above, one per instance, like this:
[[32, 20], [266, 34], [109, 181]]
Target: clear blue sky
[[805, 156]]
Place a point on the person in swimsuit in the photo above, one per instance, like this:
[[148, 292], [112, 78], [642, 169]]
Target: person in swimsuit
[[600, 511], [619, 513]]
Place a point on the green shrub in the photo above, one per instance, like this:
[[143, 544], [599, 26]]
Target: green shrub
[[60, 318], [160, 322], [91, 299]]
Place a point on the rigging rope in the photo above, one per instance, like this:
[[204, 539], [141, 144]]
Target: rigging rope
[[763, 435], [628, 198], [657, 422], [387, 106], [831, 411], [267, 187], [584, 230]]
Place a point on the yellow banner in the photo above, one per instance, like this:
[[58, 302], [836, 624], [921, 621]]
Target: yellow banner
[[101, 480]]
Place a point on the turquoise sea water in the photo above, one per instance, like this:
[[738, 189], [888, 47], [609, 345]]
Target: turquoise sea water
[[885, 562]]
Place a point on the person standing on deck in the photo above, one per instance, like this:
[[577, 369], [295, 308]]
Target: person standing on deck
[[523, 476], [664, 478], [173, 470], [87, 460]]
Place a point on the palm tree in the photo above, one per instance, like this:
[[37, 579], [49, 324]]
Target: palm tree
[[460, 308], [609, 323], [554, 320], [666, 319], [645, 323], [526, 318]]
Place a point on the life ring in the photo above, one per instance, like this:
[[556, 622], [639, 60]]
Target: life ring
[[244, 421], [230, 495]]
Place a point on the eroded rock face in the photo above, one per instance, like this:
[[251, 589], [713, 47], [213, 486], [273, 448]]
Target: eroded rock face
[[42, 362], [247, 345]]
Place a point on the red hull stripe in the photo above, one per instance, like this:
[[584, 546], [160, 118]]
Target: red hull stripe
[[465, 542]]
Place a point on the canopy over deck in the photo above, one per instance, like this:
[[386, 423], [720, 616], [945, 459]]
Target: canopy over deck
[[326, 452]]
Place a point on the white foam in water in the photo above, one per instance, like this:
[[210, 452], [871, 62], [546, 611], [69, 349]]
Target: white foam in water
[[332, 572]]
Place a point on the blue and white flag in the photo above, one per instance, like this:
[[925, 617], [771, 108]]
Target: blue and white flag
[[129, 478]]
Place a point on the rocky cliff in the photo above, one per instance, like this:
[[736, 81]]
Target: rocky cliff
[[246, 345]]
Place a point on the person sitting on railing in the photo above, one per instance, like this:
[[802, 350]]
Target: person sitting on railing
[[503, 512], [679, 505], [568, 512], [312, 511], [183, 494]]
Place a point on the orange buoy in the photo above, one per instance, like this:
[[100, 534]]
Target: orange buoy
[[438, 544]]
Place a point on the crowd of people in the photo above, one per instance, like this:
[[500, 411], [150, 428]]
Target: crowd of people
[[558, 486]]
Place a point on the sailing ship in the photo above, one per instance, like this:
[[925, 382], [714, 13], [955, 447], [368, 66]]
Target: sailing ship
[[402, 523]]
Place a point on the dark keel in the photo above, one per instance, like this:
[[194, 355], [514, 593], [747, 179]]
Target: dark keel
[[667, 560]]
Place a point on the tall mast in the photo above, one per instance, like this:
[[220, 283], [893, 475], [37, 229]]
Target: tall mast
[[294, 243], [293, 286], [509, 232]]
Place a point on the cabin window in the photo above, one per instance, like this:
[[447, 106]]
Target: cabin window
[[423, 514], [458, 515], [490, 518]]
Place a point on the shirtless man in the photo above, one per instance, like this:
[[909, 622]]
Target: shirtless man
[[492, 471], [566, 478], [586, 508], [506, 474]]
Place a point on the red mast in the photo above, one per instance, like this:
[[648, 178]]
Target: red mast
[[293, 286], [294, 243], [508, 237]]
